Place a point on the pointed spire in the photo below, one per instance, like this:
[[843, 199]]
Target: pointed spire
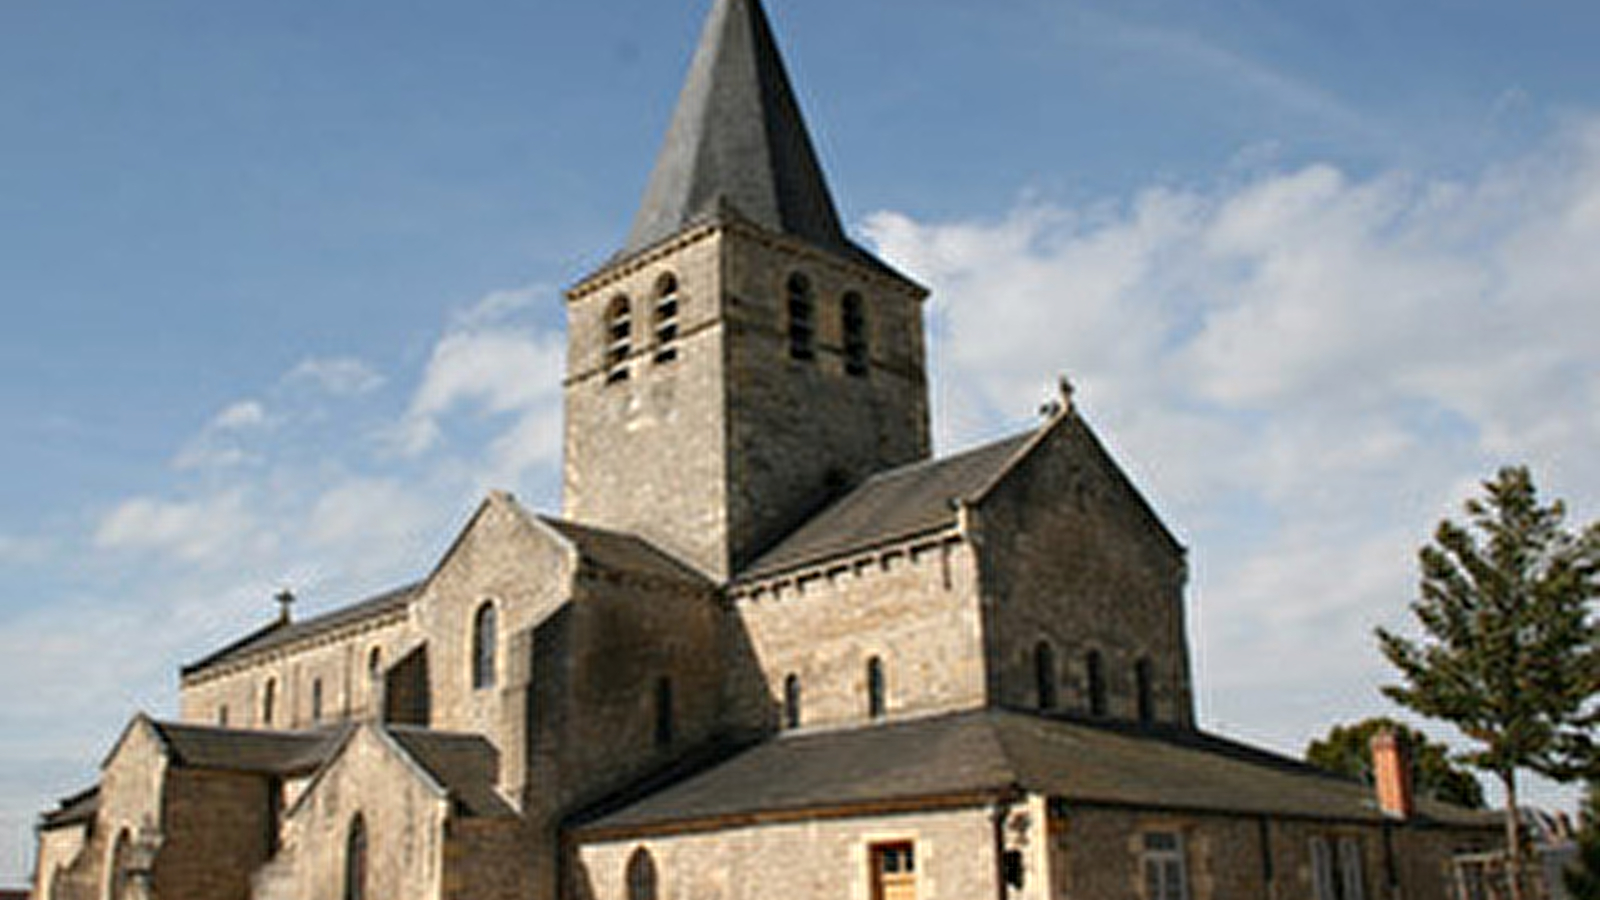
[[739, 143]]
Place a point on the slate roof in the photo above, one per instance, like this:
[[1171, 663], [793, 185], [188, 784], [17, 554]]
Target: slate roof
[[624, 552], [465, 765], [241, 750], [739, 142], [891, 505], [990, 752], [279, 634], [74, 810]]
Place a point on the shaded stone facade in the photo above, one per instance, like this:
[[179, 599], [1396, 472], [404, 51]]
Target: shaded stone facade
[[771, 647]]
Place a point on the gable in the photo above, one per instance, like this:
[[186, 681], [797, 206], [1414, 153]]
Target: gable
[[1067, 469]]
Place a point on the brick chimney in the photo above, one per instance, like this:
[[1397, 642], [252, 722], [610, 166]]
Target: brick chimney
[[1391, 774]]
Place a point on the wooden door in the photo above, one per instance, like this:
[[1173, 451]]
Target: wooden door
[[894, 872]]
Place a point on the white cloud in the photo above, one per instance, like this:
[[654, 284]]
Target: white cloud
[[223, 442], [208, 530], [338, 376], [1306, 367]]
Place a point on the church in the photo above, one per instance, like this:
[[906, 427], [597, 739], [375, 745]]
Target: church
[[770, 648]]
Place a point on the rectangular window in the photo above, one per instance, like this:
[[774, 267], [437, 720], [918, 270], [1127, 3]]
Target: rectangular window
[[894, 871], [1165, 875], [1350, 876]]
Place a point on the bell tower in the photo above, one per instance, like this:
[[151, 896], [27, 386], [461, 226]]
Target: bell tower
[[741, 361]]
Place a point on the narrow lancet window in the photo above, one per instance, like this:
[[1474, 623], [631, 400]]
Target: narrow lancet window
[[854, 321], [877, 703], [666, 319], [483, 647], [1096, 675], [641, 876], [619, 339], [802, 322], [269, 701], [1044, 674], [355, 860], [791, 702], [316, 701]]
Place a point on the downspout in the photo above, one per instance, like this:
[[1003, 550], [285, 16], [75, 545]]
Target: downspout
[[998, 817]]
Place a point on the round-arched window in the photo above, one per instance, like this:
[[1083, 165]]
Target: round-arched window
[[483, 646]]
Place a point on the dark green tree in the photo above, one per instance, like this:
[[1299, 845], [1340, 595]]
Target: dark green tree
[[1509, 652], [1583, 878], [1347, 750]]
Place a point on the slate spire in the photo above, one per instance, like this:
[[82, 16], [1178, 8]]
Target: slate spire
[[738, 142]]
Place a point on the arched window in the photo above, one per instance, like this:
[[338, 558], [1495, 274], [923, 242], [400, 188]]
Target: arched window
[[641, 875], [316, 701], [222, 715], [1044, 674], [119, 871], [1096, 673], [619, 339], [664, 723], [877, 704], [269, 701], [355, 860], [854, 319], [1144, 679], [791, 701], [802, 322], [374, 663], [483, 647], [666, 319]]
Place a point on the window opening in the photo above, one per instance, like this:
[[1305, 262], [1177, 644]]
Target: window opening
[[666, 319], [894, 871], [619, 339], [1095, 664], [269, 700], [483, 647], [1165, 875], [355, 860], [876, 701], [222, 715], [855, 335], [641, 875], [1350, 875], [1143, 676], [1044, 675], [802, 326], [791, 702], [316, 701]]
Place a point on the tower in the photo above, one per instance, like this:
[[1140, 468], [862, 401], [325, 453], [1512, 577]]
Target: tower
[[741, 361]]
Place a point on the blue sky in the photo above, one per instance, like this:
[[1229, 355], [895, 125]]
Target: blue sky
[[281, 292]]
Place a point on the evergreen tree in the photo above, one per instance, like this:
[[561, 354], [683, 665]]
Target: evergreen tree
[[1347, 750], [1510, 651], [1583, 878]]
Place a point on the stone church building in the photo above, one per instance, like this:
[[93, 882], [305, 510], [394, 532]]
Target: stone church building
[[771, 648]]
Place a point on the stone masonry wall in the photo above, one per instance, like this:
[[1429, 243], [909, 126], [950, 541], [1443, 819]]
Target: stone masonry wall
[[1070, 559], [915, 608], [340, 661], [525, 572], [217, 833], [1097, 853], [647, 454], [800, 432], [59, 848], [829, 858], [404, 823]]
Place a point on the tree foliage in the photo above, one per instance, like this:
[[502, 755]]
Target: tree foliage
[[1583, 878], [1347, 750], [1510, 649], [1510, 653]]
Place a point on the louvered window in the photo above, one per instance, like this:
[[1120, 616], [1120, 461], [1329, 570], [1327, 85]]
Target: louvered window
[[619, 339]]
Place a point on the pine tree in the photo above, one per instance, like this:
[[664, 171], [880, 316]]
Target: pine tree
[[1347, 751], [1583, 878], [1510, 652]]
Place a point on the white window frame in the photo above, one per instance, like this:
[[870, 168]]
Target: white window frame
[[1163, 869]]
